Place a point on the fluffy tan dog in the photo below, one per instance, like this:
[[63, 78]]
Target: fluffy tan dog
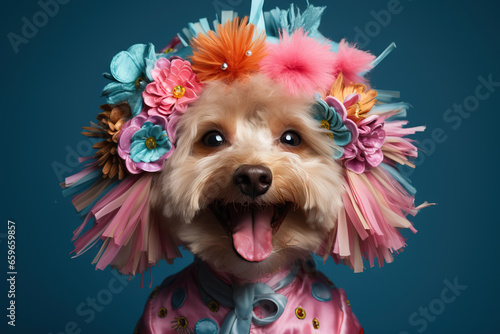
[[252, 186], [252, 149], [251, 191]]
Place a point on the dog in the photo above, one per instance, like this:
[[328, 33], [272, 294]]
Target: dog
[[251, 191], [252, 149]]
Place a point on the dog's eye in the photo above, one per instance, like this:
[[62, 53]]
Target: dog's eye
[[213, 139], [291, 138]]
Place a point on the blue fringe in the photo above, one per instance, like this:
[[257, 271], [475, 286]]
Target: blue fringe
[[387, 96], [85, 183], [271, 22], [402, 179], [82, 184]]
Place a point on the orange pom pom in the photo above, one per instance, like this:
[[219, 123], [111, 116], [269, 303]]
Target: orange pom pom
[[229, 54]]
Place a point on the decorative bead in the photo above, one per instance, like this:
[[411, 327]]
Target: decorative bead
[[321, 292], [213, 306], [162, 313], [315, 323], [248, 53], [206, 326], [348, 302], [224, 66], [178, 298], [300, 313], [150, 143], [180, 323], [168, 50], [178, 91]]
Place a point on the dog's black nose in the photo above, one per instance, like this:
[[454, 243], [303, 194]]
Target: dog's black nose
[[253, 180]]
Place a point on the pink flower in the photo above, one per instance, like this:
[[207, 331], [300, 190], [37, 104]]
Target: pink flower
[[174, 87], [364, 151]]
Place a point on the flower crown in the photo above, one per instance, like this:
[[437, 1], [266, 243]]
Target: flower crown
[[149, 91]]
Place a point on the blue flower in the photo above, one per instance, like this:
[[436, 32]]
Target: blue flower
[[130, 72], [330, 114], [145, 143], [149, 143]]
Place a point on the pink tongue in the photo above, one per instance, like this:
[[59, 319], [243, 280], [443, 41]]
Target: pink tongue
[[252, 234]]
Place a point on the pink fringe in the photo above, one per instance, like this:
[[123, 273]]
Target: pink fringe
[[133, 239], [80, 175], [397, 149], [375, 206]]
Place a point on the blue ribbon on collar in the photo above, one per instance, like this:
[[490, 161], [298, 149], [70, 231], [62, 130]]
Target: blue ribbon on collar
[[243, 298]]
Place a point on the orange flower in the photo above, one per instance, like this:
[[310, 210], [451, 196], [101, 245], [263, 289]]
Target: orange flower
[[366, 102], [230, 53]]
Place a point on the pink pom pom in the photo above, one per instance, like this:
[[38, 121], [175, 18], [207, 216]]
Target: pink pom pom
[[300, 63], [351, 62]]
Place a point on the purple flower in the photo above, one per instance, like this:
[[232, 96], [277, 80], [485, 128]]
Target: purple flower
[[365, 149]]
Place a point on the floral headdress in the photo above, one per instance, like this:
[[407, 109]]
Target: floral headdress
[[149, 91]]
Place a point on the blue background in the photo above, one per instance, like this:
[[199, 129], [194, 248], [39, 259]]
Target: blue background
[[51, 88]]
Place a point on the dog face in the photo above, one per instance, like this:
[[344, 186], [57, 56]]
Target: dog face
[[252, 185]]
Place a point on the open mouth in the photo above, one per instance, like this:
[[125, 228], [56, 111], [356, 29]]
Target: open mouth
[[251, 226]]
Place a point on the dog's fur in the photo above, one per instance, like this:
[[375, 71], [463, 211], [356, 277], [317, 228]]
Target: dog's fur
[[252, 115]]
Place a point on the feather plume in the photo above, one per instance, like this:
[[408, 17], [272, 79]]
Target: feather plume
[[352, 62], [299, 62]]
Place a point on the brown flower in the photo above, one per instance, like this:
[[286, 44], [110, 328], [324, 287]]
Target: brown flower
[[358, 110], [113, 118], [110, 123]]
